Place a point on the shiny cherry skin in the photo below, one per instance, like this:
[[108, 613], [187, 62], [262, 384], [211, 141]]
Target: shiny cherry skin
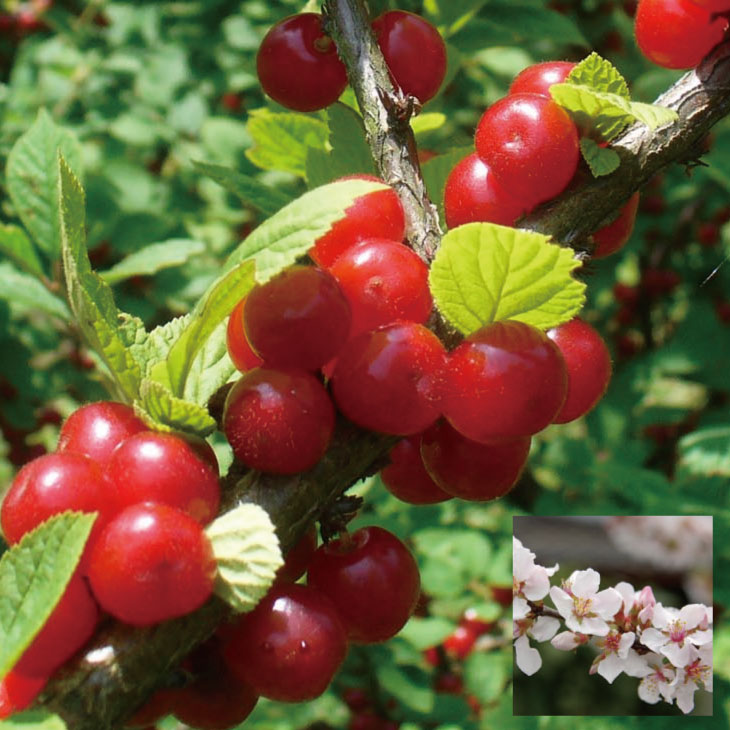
[[298, 319], [473, 194], [538, 78], [414, 51], [383, 281], [389, 380], [406, 477], [298, 558], [151, 563], [531, 145], [588, 363], [614, 236], [713, 6], [375, 215], [240, 352], [18, 692], [96, 429], [460, 643], [471, 470], [167, 468], [506, 380], [676, 34], [278, 421], [298, 65], [290, 646], [372, 579]]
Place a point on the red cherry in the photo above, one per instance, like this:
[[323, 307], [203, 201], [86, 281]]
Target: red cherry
[[614, 236], [298, 319], [279, 421], [450, 683], [243, 357], [232, 102], [588, 363], [290, 646], [383, 281], [471, 620], [389, 380], [371, 578], [538, 78], [414, 51], [502, 595], [356, 698], [298, 558], [677, 33], [431, 655], [506, 380], [167, 468], [17, 692], [658, 282], [473, 194], [713, 6], [298, 66], [708, 234], [151, 563], [368, 720], [157, 706], [375, 215], [531, 145], [406, 476], [471, 470]]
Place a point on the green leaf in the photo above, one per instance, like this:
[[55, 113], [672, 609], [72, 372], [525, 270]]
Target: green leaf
[[601, 160], [16, 245], [601, 75], [33, 720], [153, 258], [26, 291], [426, 632], [170, 413], [653, 115], [706, 452], [33, 577], [415, 695], [247, 552], [32, 178], [91, 299], [428, 122], [266, 199], [486, 675], [485, 273], [211, 368], [281, 140]]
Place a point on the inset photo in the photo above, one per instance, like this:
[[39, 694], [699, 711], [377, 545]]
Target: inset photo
[[612, 615]]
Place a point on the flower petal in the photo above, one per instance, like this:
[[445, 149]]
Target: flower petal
[[527, 658], [544, 628], [584, 583]]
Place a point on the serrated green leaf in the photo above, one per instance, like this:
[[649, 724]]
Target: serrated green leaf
[[426, 632], [211, 368], [262, 197], [706, 452], [484, 273], [601, 160], [290, 233], [170, 413], [653, 115], [153, 258], [16, 245], [33, 577], [599, 74], [437, 170], [26, 291], [281, 140], [91, 299], [247, 552], [153, 348], [32, 178]]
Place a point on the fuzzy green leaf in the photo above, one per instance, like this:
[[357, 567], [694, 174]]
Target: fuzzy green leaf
[[247, 552], [170, 413], [24, 290], [16, 245], [33, 577], [601, 75], [32, 178], [484, 273], [428, 122], [601, 160], [409, 692], [706, 452], [211, 368], [423, 633], [486, 675]]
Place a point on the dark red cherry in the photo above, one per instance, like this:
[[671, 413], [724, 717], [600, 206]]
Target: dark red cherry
[[298, 558], [614, 236], [240, 352]]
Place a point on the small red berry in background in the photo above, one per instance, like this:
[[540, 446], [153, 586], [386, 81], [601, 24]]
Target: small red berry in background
[[232, 102], [615, 235], [372, 579], [279, 421], [356, 698], [290, 646], [375, 215], [298, 65], [658, 282], [414, 51], [538, 78], [708, 234], [151, 563], [450, 683], [502, 595], [240, 352], [298, 558]]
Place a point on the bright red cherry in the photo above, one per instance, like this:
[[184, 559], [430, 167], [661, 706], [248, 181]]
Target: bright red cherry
[[406, 476], [471, 470], [473, 194], [414, 51], [460, 643], [677, 33], [506, 380], [290, 646], [375, 215], [298, 558], [244, 358], [614, 236], [298, 319], [167, 468], [279, 421], [713, 6], [531, 145], [151, 563], [383, 281], [372, 579], [95, 430], [538, 78], [298, 65], [389, 380], [588, 363], [17, 692]]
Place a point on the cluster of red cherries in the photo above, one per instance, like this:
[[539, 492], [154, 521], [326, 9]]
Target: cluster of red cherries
[[27, 18]]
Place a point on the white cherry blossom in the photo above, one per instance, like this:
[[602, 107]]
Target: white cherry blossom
[[676, 630], [529, 581], [658, 681], [542, 628], [569, 640], [697, 671], [617, 656]]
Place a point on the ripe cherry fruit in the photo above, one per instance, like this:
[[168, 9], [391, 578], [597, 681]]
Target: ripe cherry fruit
[[240, 352], [614, 236], [538, 78]]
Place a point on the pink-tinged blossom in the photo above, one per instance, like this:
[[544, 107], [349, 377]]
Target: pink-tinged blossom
[[541, 629], [584, 609], [568, 640], [676, 630], [658, 680], [617, 656], [689, 678], [530, 582]]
